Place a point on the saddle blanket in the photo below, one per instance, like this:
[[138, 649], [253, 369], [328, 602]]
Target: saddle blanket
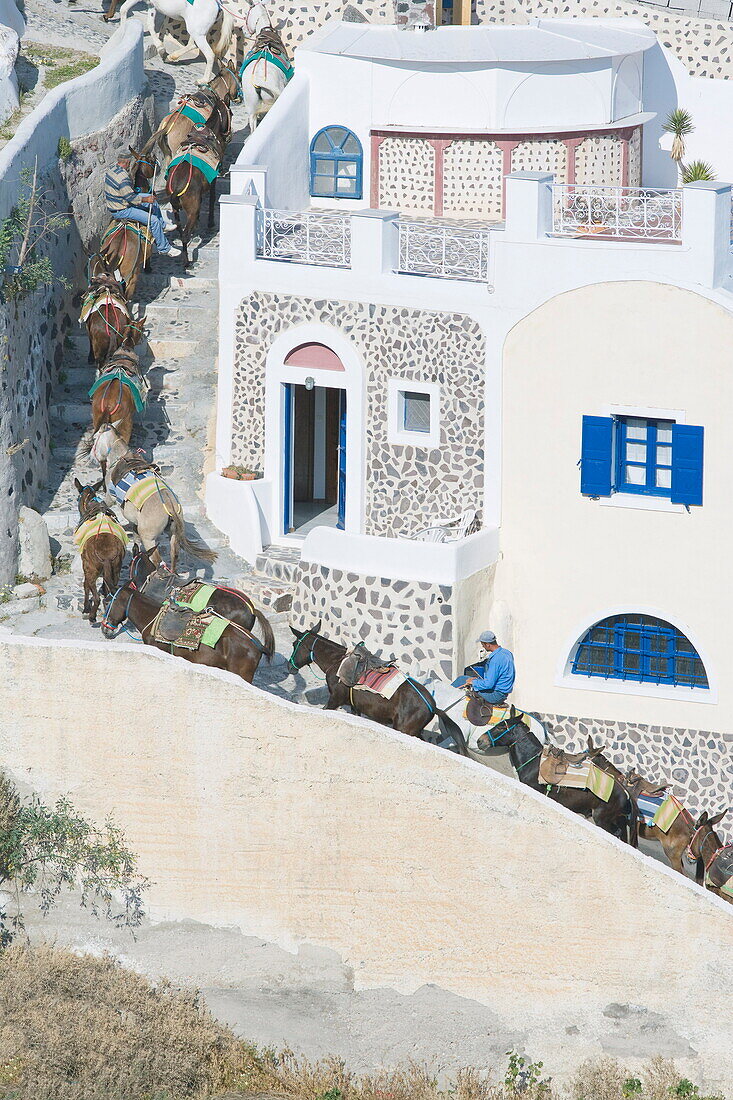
[[659, 810], [207, 164], [188, 630], [195, 595], [727, 888], [382, 683], [583, 776], [136, 487], [98, 525], [265, 55], [137, 387], [95, 305], [142, 232]]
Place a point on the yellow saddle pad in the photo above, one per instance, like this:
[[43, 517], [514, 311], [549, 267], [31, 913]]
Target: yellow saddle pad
[[98, 525]]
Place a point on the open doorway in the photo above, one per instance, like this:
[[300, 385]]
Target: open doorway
[[315, 466]]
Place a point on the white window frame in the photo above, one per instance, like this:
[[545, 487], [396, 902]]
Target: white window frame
[[639, 501], [397, 434]]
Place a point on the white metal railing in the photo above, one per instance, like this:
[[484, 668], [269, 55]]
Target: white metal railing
[[637, 213], [304, 237], [444, 251]]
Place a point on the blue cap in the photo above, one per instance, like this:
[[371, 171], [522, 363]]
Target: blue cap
[[488, 637]]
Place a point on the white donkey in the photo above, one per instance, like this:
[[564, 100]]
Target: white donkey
[[199, 17], [266, 69]]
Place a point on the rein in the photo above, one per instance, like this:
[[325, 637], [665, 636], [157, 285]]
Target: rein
[[111, 626]]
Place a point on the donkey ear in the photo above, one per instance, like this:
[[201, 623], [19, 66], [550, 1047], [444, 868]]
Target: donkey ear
[[718, 817], [134, 152], [702, 819], [317, 628], [294, 633], [78, 485], [99, 485]]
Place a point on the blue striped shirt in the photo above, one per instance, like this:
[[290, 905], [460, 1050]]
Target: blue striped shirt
[[119, 192]]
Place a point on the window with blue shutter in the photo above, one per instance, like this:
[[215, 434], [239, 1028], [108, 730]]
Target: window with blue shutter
[[641, 648], [642, 455], [336, 164]]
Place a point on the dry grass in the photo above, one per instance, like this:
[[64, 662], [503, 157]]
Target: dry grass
[[76, 1028]]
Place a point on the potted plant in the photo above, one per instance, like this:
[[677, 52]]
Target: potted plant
[[697, 171], [240, 473]]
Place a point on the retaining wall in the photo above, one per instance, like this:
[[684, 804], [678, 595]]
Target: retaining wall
[[305, 827], [100, 113]]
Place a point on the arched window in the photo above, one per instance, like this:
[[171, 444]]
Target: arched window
[[641, 648], [336, 164]]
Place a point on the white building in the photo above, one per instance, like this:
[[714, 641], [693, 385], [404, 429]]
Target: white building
[[443, 288]]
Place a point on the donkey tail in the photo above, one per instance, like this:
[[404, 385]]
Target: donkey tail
[[108, 576], [268, 638], [451, 729], [225, 35], [633, 821], [195, 549]]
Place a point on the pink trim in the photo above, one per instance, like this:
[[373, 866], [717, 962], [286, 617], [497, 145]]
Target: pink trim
[[376, 141], [507, 146], [439, 146], [571, 146], [313, 357]]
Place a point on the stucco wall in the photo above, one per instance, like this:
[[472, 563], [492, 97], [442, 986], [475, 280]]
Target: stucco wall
[[567, 560], [416, 866], [101, 112]]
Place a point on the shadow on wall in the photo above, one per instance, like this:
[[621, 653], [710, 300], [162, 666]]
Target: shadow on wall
[[660, 96]]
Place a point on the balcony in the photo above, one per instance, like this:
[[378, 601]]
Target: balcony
[[616, 213]]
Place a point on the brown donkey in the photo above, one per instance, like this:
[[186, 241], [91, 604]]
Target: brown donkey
[[120, 390], [714, 859], [126, 246], [101, 543], [677, 837], [106, 315], [187, 183]]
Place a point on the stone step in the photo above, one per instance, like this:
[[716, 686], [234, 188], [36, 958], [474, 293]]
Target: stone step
[[173, 348], [71, 412], [165, 310], [59, 521], [193, 282], [278, 564]]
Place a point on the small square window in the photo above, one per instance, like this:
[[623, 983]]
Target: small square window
[[416, 412]]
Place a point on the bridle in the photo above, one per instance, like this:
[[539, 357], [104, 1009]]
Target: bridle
[[296, 647], [710, 835], [112, 626]]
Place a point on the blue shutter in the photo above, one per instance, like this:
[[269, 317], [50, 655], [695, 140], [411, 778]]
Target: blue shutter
[[595, 456], [687, 448]]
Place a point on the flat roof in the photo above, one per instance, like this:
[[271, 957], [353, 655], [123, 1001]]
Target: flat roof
[[541, 40]]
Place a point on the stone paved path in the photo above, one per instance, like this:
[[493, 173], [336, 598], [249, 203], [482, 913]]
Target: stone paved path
[[177, 427]]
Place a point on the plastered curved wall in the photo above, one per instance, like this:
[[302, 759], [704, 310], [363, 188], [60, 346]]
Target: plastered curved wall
[[416, 866]]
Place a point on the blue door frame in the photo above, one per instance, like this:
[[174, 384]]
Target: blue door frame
[[288, 425]]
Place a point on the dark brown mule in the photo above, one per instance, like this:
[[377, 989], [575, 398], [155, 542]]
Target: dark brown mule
[[714, 859], [409, 711], [102, 554], [618, 816], [123, 249], [236, 651], [113, 403], [678, 836], [187, 185], [107, 318], [232, 604]]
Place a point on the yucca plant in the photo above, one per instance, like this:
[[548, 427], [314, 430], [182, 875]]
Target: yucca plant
[[679, 124], [697, 170]]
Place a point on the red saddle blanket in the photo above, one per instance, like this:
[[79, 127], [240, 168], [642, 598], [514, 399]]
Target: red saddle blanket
[[384, 683]]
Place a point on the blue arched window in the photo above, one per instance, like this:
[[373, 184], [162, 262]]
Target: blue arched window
[[639, 647], [336, 164]]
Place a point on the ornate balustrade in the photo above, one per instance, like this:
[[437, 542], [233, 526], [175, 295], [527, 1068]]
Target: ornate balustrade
[[444, 251], [304, 237], [628, 213]]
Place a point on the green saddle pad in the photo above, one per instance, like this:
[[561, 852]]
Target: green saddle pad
[[206, 169], [121, 376]]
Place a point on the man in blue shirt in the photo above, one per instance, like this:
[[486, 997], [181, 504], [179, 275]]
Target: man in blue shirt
[[497, 678]]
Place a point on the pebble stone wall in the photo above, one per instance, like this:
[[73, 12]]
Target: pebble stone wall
[[408, 620], [599, 162], [472, 179], [407, 175], [32, 329], [407, 487], [542, 156], [698, 766], [705, 47]]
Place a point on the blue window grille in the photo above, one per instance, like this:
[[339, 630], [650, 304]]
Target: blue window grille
[[640, 648], [416, 412], [644, 456], [336, 164]]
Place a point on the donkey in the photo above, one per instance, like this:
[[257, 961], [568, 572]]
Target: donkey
[[199, 17], [113, 402], [124, 247], [678, 836], [176, 126], [187, 184], [228, 602], [236, 651], [410, 709], [106, 315], [103, 550], [714, 859], [618, 816], [160, 512], [263, 77]]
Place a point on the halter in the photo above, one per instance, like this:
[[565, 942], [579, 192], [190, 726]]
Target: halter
[[691, 855], [311, 656], [110, 626]]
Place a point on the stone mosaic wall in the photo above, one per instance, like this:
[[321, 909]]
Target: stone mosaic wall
[[705, 47], [635, 158], [407, 175], [472, 179], [698, 766], [542, 156], [408, 620], [32, 329], [599, 161], [407, 487]]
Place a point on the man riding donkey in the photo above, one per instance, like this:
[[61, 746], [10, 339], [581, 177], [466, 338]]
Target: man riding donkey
[[493, 677], [126, 203]]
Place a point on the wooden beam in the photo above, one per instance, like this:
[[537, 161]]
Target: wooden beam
[[462, 13]]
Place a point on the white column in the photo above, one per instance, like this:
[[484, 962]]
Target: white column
[[374, 241], [242, 175], [528, 205], [706, 221]]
